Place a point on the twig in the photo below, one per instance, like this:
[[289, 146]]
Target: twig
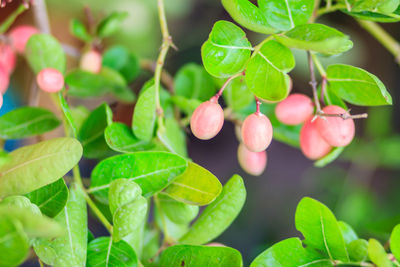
[[40, 16], [10, 20], [314, 83], [71, 51], [89, 19]]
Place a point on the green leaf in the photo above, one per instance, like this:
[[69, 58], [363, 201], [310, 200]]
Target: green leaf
[[103, 251], [120, 59], [320, 229], [21, 202], [26, 122], [372, 16], [119, 137], [266, 72], [14, 244], [357, 86], [78, 29], [184, 104], [395, 242], [226, 51], [196, 186], [286, 14], [118, 85], [44, 51], [174, 230], [152, 171], [219, 214], [111, 24], [51, 198], [200, 256], [91, 133], [248, 15], [330, 157], [67, 113], [192, 81], [379, 6], [173, 137], [69, 249], [35, 166], [144, 115], [129, 210], [377, 254], [177, 212], [150, 244], [358, 250], [289, 253], [316, 37], [237, 95], [331, 98], [79, 115], [348, 232]]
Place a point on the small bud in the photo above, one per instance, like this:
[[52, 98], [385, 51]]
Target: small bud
[[50, 80], [91, 61]]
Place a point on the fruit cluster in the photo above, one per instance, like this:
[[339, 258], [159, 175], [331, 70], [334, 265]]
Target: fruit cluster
[[319, 133]]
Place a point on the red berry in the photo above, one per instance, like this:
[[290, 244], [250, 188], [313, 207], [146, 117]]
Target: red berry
[[4, 79], [335, 130], [257, 132], [312, 144], [1, 100], [253, 163], [295, 109], [207, 120], [91, 61], [20, 36], [50, 80], [7, 57]]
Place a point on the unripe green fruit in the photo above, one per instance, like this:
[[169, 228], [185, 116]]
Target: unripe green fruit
[[295, 109], [253, 163], [91, 61], [20, 35], [257, 132], [207, 120], [335, 130], [312, 144], [50, 80]]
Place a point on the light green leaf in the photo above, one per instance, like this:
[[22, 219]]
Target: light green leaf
[[219, 214], [67, 114], [184, 104], [289, 253], [177, 212], [78, 29], [316, 37], [26, 122], [196, 186], [226, 51], [153, 171], [358, 250], [331, 98], [395, 242], [14, 244], [200, 256], [35, 166], [320, 229], [70, 249], [357, 86], [266, 72], [44, 51], [379, 6], [118, 85], [51, 198], [237, 95], [79, 115], [144, 115], [120, 59], [91, 133], [192, 81], [330, 157], [372, 16], [377, 254], [348, 232], [174, 230], [103, 251], [173, 137], [111, 24], [150, 244]]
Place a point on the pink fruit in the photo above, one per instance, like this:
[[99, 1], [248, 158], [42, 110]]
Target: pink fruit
[[7, 57], [4, 79], [207, 120], [91, 61], [312, 144], [253, 163], [50, 80], [1, 100], [335, 130], [257, 132], [295, 109], [20, 36]]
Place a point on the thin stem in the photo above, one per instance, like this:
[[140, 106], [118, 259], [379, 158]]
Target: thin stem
[[258, 104], [313, 82], [219, 93], [318, 64], [40, 16], [328, 9], [383, 37], [323, 89], [13, 16]]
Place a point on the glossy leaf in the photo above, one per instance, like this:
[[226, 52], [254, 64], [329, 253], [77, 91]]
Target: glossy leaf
[[26, 122], [184, 104], [35, 166], [78, 29], [67, 114], [44, 51], [382, 6], [377, 254], [51, 198], [320, 229], [193, 82], [316, 37], [150, 244], [120, 59], [358, 250], [266, 72], [144, 115], [174, 230], [372, 16], [395, 242], [14, 244], [111, 24], [69, 249], [122, 192], [357, 86], [237, 95], [219, 214], [173, 137], [289, 253], [199, 256], [348, 232], [226, 51], [118, 85], [103, 251], [196, 186], [153, 171], [177, 212], [91, 133], [330, 157], [331, 98]]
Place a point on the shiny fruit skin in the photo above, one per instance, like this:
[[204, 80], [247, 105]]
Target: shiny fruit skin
[[312, 144], [257, 132], [207, 120], [295, 109], [253, 163], [20, 35], [50, 80], [7, 58], [91, 61]]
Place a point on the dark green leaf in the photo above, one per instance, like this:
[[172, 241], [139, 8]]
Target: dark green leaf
[[120, 59], [111, 24], [78, 29], [377, 254], [79, 115]]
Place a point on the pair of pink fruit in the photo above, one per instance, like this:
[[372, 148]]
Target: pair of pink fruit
[[316, 137]]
